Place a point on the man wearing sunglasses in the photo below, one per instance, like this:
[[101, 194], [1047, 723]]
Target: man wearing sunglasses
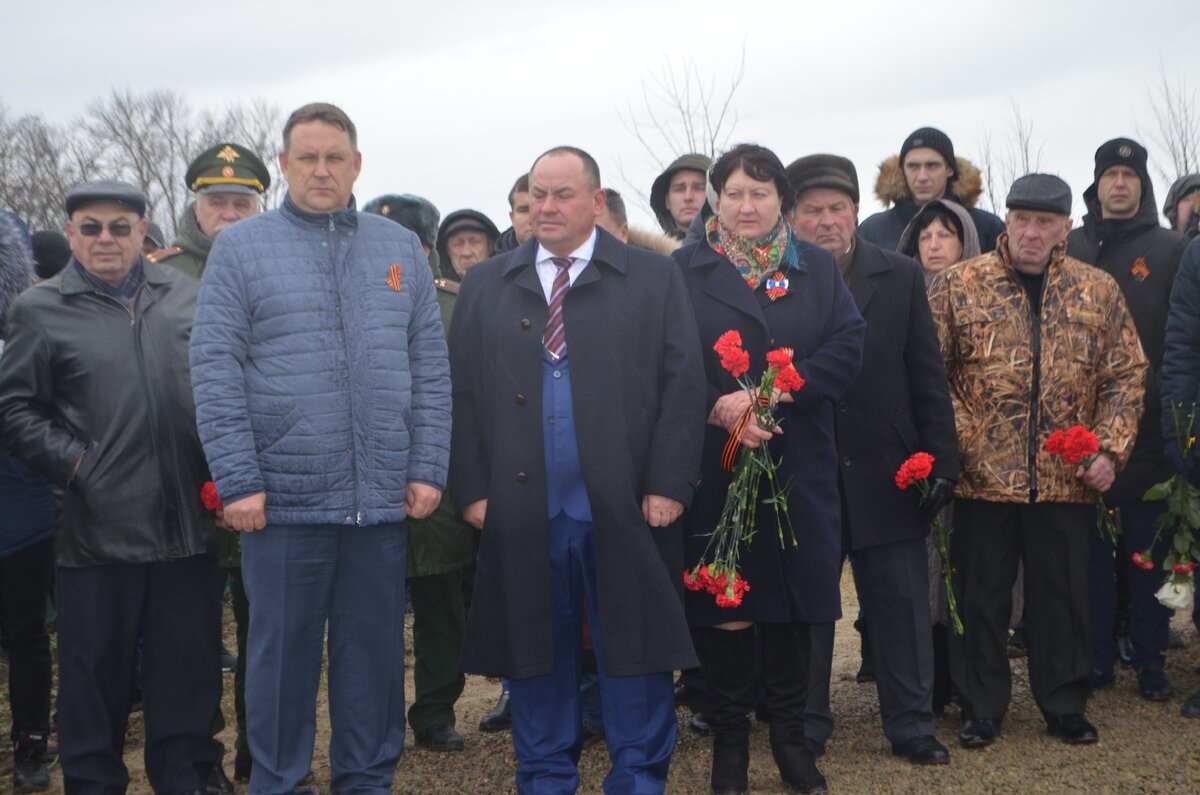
[[95, 395]]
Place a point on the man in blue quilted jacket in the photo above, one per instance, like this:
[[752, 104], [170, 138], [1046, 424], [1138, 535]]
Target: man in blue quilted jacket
[[322, 397]]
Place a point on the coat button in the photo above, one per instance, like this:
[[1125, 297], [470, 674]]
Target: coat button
[[550, 419], [522, 477], [558, 373], [520, 400], [525, 323], [846, 461], [842, 407]]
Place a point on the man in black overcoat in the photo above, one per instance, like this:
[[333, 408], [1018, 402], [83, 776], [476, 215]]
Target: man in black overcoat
[[576, 446], [899, 405]]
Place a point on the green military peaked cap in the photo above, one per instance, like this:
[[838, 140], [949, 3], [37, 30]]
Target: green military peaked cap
[[228, 168]]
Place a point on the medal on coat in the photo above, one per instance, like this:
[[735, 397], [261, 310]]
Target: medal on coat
[[777, 286]]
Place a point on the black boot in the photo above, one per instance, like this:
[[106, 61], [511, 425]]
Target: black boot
[[727, 661], [785, 674], [29, 762], [866, 669]]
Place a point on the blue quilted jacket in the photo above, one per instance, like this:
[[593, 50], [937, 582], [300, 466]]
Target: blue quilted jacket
[[319, 366]]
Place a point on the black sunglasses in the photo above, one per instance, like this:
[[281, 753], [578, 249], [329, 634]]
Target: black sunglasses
[[95, 228]]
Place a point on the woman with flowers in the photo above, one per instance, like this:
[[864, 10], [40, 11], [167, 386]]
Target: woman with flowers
[[749, 274]]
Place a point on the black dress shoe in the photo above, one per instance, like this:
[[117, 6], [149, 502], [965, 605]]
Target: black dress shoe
[[228, 660], [500, 717], [924, 750], [1073, 729], [440, 738], [699, 725], [1154, 684], [1101, 679], [1191, 707], [218, 783], [977, 733]]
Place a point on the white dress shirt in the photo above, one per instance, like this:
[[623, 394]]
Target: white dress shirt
[[547, 270]]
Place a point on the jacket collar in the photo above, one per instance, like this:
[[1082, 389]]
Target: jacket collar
[[869, 263], [72, 282], [608, 253], [347, 217]]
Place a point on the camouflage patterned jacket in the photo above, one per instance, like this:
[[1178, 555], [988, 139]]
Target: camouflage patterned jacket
[[1090, 371]]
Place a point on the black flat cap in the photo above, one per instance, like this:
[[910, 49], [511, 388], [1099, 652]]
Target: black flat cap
[[1044, 192], [105, 190], [823, 171]]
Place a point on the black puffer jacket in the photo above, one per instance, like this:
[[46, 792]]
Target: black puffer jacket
[[1143, 258], [81, 374]]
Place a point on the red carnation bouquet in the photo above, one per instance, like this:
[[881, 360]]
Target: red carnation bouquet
[[915, 471], [717, 571], [209, 497], [1181, 518], [1078, 445]]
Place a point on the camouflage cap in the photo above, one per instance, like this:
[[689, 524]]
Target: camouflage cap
[[227, 168]]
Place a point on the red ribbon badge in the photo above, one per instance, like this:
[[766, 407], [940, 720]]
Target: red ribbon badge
[[394, 274]]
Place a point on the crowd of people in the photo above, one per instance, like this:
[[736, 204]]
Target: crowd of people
[[338, 414]]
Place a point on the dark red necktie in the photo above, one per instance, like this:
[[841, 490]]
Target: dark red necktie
[[555, 338]]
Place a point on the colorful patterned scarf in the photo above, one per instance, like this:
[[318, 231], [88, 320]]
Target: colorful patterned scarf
[[754, 260]]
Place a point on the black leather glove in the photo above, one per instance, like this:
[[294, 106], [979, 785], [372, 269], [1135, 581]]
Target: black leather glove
[[941, 492]]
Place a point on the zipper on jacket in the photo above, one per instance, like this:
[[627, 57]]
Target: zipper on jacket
[[333, 256], [1035, 350]]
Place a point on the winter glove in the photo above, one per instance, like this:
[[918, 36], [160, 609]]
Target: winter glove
[[1180, 464], [941, 491]]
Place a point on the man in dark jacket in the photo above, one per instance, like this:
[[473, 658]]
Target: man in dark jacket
[[926, 170], [1121, 236], [518, 216], [95, 396], [578, 412], [899, 405], [680, 193]]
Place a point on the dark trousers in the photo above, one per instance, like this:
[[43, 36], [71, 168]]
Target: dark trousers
[[25, 582], [1051, 539], [241, 618], [1150, 619], [639, 711], [299, 578], [438, 625], [893, 586], [102, 611]]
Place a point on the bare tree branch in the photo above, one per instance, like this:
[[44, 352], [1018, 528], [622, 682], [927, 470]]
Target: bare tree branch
[[1175, 138]]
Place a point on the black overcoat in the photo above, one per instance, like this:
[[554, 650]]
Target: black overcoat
[[637, 385], [898, 405], [818, 320]]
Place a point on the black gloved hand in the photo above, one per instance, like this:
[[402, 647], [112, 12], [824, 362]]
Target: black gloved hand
[[941, 492], [1174, 460]]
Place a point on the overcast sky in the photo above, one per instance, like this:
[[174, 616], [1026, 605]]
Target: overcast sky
[[454, 99]]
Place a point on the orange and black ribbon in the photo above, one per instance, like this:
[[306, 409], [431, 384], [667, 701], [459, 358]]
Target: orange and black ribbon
[[729, 455]]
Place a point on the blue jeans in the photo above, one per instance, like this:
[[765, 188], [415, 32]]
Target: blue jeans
[[298, 578]]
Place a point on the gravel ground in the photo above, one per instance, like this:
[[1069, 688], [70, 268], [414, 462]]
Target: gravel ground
[[1143, 747]]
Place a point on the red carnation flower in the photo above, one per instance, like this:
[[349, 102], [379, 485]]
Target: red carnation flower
[[1184, 568], [1079, 443], [788, 379], [209, 497], [780, 357], [1142, 560], [729, 347], [1054, 444]]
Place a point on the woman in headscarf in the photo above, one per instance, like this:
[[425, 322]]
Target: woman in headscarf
[[750, 274]]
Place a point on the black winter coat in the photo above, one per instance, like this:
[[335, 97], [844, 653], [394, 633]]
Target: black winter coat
[[885, 228], [637, 387], [1143, 258], [817, 319], [899, 404], [1181, 348], [81, 374]]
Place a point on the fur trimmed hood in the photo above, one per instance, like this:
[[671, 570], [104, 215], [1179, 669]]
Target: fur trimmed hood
[[16, 262], [657, 242], [966, 184]]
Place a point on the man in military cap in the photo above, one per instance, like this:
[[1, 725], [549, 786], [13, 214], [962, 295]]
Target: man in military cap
[[439, 547], [95, 396], [228, 181]]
